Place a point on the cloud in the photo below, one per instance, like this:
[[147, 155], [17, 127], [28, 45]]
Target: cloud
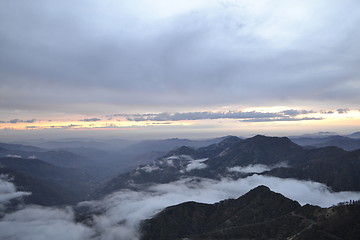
[[256, 168], [90, 120], [148, 168], [294, 112], [284, 119], [342, 110], [65, 126], [196, 164], [327, 112], [8, 191], [13, 156], [287, 115], [325, 133], [35, 222], [14, 121]]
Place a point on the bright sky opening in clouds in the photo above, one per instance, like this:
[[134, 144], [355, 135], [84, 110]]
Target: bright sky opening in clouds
[[152, 69]]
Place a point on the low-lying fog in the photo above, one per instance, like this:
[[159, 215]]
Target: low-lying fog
[[121, 212]]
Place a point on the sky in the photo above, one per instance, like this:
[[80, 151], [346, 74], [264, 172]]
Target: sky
[[183, 68]]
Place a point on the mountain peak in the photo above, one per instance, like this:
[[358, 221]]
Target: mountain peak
[[262, 194], [267, 138], [229, 141], [271, 142], [260, 189], [259, 136], [259, 149]]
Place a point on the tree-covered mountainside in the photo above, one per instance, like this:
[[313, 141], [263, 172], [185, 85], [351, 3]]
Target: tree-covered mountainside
[[259, 214], [340, 172]]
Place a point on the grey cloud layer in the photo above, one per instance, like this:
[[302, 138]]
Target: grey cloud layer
[[252, 116], [54, 54]]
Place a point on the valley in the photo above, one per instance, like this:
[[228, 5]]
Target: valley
[[225, 188]]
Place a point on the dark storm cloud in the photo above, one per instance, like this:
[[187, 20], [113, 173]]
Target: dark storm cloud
[[57, 53]]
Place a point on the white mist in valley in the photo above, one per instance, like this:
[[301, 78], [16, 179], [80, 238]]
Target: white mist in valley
[[43, 223], [122, 212], [256, 168], [8, 191]]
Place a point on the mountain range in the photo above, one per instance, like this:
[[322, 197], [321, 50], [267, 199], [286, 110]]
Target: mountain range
[[72, 174], [89, 172], [280, 157], [349, 143]]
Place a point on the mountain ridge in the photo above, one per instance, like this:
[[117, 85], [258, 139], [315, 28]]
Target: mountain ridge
[[215, 161]]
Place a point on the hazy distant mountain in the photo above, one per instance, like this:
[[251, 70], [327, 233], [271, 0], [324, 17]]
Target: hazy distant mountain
[[126, 147], [259, 214], [43, 192], [354, 135], [166, 145], [60, 158], [100, 164], [103, 159], [20, 147], [74, 184], [105, 145], [346, 143], [312, 141], [318, 135]]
